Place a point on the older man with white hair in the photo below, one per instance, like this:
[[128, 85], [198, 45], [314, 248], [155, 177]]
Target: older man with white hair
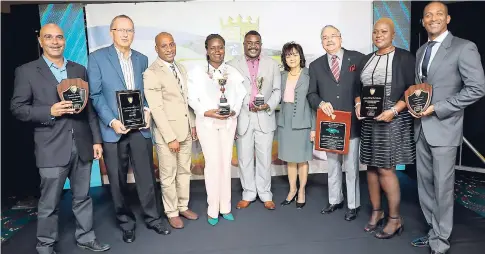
[[332, 78]]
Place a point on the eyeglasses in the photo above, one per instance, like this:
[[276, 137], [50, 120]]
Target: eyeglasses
[[326, 38], [122, 30]]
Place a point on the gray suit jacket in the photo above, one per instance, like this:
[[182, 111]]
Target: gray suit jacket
[[269, 70], [457, 77], [303, 115]]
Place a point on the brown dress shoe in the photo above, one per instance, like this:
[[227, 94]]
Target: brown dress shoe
[[243, 204], [189, 215], [269, 205], [176, 222]]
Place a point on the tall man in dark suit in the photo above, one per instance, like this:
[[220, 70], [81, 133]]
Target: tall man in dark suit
[[112, 69], [332, 78], [452, 66], [65, 143]]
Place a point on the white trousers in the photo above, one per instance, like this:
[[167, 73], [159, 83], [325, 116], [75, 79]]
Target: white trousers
[[217, 143]]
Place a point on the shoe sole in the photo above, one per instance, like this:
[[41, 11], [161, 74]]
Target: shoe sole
[[91, 249]]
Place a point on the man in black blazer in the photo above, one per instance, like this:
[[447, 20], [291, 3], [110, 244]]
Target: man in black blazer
[[65, 143], [332, 78]]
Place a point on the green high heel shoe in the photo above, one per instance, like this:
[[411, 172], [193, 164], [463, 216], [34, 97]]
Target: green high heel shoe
[[213, 221], [228, 216]]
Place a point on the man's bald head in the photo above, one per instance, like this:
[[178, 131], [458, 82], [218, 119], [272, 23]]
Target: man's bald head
[[165, 47], [52, 41]]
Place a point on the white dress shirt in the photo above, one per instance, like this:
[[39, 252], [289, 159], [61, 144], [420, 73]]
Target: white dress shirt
[[435, 48], [204, 92], [169, 66], [127, 69]]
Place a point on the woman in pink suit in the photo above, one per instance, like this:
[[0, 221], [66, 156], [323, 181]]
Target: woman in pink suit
[[216, 130]]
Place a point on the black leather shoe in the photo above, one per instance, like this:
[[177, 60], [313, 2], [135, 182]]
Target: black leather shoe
[[351, 214], [421, 242], [94, 246], [129, 236], [287, 202], [331, 208], [160, 228], [300, 205]]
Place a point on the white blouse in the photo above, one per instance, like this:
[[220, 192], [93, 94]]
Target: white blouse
[[204, 91]]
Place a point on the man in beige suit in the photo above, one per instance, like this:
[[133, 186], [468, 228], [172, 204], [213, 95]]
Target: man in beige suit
[[173, 128]]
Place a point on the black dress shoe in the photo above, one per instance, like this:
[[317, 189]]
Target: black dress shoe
[[300, 205], [421, 242], [94, 246], [332, 208], [351, 214], [129, 236], [160, 228]]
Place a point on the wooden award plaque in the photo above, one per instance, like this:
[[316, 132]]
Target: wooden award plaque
[[418, 98], [333, 132]]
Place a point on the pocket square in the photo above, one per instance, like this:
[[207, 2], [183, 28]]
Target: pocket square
[[352, 68]]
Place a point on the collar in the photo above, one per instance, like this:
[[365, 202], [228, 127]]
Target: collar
[[339, 54], [253, 60], [120, 54], [221, 68], [51, 64], [441, 37], [167, 63]]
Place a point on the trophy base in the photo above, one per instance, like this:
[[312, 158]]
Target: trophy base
[[259, 101], [224, 109]]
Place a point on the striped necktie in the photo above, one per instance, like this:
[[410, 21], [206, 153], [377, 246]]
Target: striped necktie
[[172, 66], [335, 68]]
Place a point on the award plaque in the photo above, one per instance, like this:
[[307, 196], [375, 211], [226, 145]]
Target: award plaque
[[259, 98], [333, 132], [130, 108], [418, 98], [372, 101], [224, 107], [75, 90]]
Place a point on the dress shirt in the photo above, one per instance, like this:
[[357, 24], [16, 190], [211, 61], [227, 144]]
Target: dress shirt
[[253, 67], [127, 69], [169, 66], [435, 48], [340, 55], [59, 73], [204, 91]]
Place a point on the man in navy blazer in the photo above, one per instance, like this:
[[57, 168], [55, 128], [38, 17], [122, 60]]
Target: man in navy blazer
[[117, 68]]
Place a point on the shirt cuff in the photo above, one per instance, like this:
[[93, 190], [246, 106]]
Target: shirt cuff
[[146, 109], [111, 122]]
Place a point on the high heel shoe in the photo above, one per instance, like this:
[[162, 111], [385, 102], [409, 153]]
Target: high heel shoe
[[287, 202], [384, 235], [299, 205], [370, 227]]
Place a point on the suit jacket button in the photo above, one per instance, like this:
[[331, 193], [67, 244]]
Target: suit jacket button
[[185, 115], [338, 96]]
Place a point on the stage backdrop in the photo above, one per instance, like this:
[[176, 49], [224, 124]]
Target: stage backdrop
[[190, 25]]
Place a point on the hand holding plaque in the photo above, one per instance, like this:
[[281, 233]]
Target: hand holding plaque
[[259, 98], [130, 109], [372, 101], [76, 91], [333, 132], [418, 98]]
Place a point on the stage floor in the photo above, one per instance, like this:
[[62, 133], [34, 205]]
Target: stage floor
[[256, 230]]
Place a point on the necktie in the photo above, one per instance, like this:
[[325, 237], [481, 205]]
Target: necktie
[[335, 68], [175, 74], [427, 55]]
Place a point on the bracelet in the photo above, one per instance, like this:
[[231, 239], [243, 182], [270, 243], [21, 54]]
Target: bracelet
[[357, 104], [394, 111]]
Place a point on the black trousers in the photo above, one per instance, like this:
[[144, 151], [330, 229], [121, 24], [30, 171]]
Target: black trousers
[[133, 147], [52, 184]]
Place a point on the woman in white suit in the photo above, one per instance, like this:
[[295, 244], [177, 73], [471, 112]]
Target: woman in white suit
[[214, 129]]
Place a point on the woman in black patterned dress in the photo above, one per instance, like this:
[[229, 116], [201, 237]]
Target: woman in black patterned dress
[[388, 139]]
